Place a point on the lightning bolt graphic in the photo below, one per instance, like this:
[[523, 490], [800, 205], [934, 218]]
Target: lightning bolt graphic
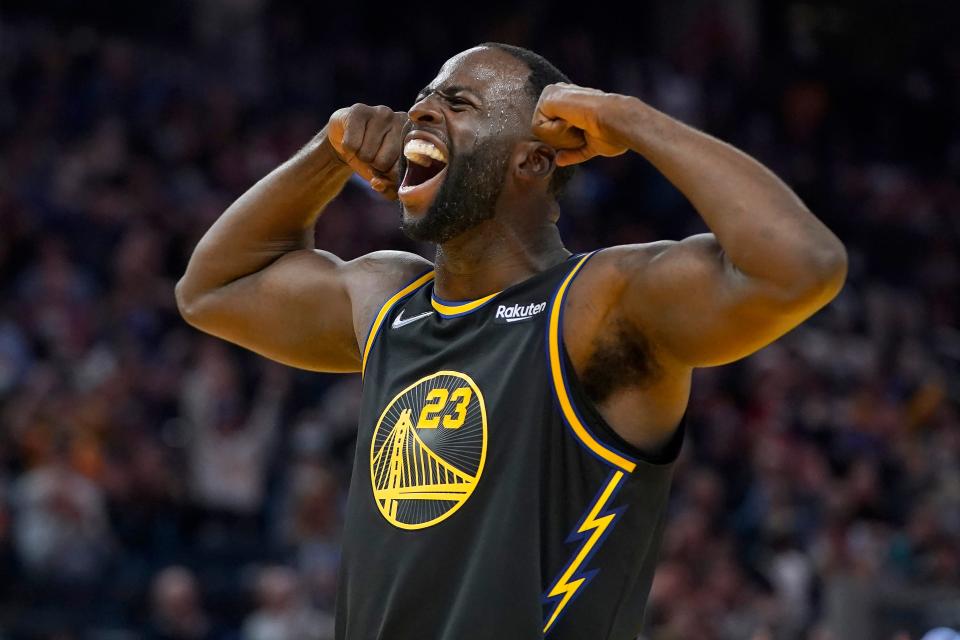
[[593, 528]]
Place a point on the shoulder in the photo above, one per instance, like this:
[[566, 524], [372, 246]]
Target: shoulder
[[374, 278], [598, 293], [631, 286], [385, 263], [608, 271], [382, 273], [627, 258], [615, 270]]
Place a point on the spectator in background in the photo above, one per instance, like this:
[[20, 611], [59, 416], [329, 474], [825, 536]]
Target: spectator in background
[[307, 521], [283, 613], [230, 432], [61, 532], [176, 612], [311, 526]]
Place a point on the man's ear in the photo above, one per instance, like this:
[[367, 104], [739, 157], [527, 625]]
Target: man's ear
[[535, 160]]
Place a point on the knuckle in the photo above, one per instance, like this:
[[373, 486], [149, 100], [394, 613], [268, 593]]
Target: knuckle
[[359, 111], [383, 165]]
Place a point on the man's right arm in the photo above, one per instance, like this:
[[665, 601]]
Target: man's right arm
[[255, 278]]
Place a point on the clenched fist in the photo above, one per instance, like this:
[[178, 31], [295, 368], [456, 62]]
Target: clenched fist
[[574, 121], [370, 140]]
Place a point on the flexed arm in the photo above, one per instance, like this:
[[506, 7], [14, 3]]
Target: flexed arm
[[255, 278], [713, 298]]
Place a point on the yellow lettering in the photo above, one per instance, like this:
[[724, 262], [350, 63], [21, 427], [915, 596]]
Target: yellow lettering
[[436, 400], [462, 397]]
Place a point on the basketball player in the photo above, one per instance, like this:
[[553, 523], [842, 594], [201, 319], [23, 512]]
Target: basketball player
[[522, 406]]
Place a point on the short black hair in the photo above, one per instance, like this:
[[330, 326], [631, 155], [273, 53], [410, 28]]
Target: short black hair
[[542, 73]]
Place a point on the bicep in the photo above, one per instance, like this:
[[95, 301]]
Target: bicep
[[296, 311], [699, 308]]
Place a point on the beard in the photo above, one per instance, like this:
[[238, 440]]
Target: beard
[[467, 197]]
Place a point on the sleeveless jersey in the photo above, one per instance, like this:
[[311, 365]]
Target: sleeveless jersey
[[489, 499]]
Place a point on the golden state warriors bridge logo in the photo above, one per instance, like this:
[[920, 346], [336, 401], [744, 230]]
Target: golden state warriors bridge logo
[[428, 450]]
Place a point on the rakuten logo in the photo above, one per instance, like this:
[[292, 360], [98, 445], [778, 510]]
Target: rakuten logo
[[517, 312]]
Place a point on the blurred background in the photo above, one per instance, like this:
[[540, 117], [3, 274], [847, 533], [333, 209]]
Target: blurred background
[[156, 483]]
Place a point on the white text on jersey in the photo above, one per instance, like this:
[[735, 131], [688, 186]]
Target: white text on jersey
[[516, 312]]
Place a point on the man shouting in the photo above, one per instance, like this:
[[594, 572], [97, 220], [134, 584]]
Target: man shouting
[[522, 406]]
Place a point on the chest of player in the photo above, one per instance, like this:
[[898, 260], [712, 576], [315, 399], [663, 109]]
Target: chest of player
[[454, 393], [477, 478]]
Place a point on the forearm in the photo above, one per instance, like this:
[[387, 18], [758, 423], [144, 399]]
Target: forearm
[[764, 229], [275, 216]]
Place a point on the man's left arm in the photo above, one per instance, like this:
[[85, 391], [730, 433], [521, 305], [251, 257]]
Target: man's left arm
[[768, 264]]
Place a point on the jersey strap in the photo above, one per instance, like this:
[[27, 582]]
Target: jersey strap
[[385, 309], [561, 387], [600, 516]]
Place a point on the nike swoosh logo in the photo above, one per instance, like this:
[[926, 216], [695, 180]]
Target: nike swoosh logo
[[399, 321]]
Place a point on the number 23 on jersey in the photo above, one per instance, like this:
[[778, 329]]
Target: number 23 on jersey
[[428, 450]]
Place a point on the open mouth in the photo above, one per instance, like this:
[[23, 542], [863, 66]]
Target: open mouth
[[426, 166], [417, 174]]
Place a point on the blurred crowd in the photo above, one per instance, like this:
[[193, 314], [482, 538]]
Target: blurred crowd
[[156, 483]]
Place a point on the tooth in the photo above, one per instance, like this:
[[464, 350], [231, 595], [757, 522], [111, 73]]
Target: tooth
[[421, 151], [417, 158]]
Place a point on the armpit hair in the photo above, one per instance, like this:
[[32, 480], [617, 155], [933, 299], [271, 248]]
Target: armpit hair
[[622, 357]]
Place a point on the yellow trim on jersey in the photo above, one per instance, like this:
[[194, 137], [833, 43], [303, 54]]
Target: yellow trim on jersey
[[596, 525], [579, 430], [385, 309], [458, 309]]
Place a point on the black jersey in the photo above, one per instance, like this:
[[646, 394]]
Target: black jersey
[[489, 499]]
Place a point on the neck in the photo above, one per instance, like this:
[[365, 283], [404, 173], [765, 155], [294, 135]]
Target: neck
[[493, 256]]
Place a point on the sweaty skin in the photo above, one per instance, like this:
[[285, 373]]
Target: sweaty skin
[[639, 318]]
